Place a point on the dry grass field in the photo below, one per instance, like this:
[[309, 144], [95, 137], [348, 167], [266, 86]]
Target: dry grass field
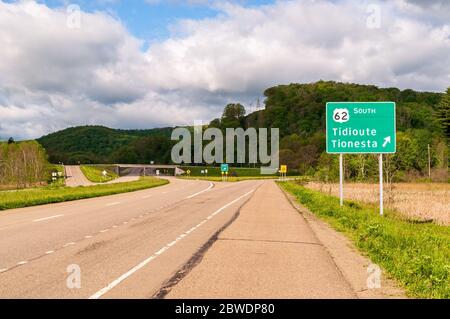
[[422, 202]]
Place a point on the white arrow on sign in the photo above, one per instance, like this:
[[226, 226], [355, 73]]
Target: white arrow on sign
[[387, 140]]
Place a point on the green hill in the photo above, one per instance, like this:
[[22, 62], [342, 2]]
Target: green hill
[[94, 144]]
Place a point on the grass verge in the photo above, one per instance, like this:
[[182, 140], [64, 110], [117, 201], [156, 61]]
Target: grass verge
[[47, 195], [95, 173], [230, 179], [417, 255], [216, 172]]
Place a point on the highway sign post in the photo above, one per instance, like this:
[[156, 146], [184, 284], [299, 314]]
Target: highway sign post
[[283, 172], [361, 128], [224, 170]]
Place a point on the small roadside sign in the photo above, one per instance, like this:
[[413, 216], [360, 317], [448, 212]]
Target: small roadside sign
[[224, 168], [283, 172]]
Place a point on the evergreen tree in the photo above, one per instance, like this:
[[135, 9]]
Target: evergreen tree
[[443, 112]]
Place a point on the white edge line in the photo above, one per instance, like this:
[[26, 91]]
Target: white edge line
[[47, 218], [142, 264], [201, 192]]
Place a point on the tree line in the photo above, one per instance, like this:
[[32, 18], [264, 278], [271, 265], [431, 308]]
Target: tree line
[[22, 164]]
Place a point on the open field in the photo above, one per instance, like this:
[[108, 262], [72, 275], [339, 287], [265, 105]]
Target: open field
[[94, 173], [416, 254], [420, 202], [47, 195]]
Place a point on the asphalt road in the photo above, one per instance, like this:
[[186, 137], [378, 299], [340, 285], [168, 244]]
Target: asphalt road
[[270, 251], [187, 239], [75, 177], [124, 245]]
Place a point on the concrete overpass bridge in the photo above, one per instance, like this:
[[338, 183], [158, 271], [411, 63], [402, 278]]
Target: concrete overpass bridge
[[147, 170]]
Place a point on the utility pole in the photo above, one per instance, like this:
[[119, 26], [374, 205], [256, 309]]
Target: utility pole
[[429, 162]]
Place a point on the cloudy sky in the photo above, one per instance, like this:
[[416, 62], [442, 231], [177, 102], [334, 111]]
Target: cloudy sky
[[153, 63]]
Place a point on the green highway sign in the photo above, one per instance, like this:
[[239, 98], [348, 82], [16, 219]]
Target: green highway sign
[[224, 168], [361, 127]]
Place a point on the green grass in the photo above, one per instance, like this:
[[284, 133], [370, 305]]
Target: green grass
[[95, 173], [47, 195], [417, 255], [230, 179], [53, 168], [215, 171], [240, 173]]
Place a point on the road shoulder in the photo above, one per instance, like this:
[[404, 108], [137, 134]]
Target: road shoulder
[[269, 251], [352, 264]]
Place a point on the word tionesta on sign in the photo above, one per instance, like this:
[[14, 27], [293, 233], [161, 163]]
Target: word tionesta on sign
[[365, 140]]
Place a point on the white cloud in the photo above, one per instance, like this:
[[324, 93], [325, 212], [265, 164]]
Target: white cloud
[[52, 76]]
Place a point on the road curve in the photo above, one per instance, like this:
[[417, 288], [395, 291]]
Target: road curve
[[75, 177]]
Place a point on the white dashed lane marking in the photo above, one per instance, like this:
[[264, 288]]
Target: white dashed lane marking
[[123, 223], [112, 204], [47, 218], [116, 282]]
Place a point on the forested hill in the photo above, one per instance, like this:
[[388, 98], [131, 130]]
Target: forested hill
[[96, 144], [298, 110]]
